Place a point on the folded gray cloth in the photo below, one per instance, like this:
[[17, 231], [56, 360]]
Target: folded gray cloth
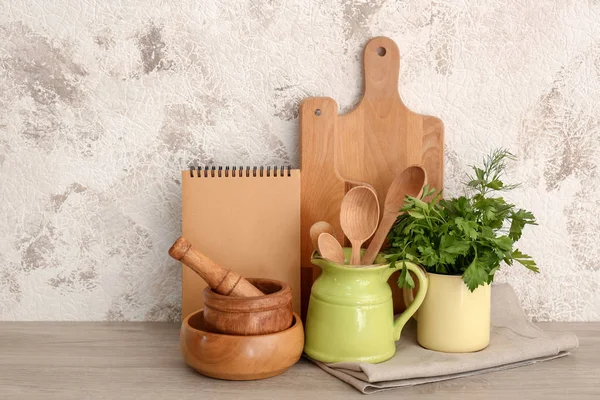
[[514, 342]]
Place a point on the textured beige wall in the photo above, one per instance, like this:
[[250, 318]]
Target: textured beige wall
[[103, 102]]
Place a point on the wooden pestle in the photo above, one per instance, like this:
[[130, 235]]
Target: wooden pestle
[[221, 280]]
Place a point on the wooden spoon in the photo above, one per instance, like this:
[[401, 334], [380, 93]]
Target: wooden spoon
[[317, 229], [330, 248], [408, 182], [349, 184], [359, 216]]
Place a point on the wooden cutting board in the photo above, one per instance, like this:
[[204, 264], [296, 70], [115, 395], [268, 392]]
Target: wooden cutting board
[[371, 144]]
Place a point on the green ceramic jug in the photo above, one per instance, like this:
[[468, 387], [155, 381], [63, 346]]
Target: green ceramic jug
[[350, 313]]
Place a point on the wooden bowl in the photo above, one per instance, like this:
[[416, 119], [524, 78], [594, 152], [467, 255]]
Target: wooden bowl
[[239, 358], [258, 315]]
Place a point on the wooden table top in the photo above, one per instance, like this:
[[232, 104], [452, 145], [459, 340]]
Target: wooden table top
[[138, 360]]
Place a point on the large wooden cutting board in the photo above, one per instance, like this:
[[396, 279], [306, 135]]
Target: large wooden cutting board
[[371, 144]]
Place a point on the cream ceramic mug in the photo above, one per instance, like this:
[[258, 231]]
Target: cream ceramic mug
[[452, 319]]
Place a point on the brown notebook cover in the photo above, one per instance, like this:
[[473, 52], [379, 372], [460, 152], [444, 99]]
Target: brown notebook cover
[[249, 224]]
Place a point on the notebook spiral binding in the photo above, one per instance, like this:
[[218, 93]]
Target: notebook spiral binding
[[211, 172]]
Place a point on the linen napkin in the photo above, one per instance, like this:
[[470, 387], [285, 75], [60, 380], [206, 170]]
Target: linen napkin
[[514, 342]]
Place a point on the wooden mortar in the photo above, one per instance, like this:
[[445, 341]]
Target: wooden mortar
[[259, 315]]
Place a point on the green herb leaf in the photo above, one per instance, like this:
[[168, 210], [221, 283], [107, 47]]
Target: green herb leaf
[[503, 243], [405, 280], [525, 260], [519, 220], [452, 245], [495, 184], [416, 214], [468, 227], [421, 204], [475, 275]]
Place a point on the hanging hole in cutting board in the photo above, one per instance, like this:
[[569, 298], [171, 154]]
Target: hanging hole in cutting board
[[318, 112], [381, 51]]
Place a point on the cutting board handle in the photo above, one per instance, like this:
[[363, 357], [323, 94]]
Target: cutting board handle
[[381, 59]]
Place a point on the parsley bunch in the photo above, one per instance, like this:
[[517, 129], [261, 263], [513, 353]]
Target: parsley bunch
[[469, 235]]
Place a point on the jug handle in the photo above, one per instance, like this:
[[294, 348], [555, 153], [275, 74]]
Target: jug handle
[[415, 302]]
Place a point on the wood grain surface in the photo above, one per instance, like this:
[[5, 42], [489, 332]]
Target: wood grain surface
[[63, 361], [381, 136], [321, 188], [372, 143]]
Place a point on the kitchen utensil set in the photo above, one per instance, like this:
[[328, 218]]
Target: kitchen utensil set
[[359, 217], [346, 160], [373, 142]]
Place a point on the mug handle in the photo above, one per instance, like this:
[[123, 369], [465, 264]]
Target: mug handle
[[408, 296], [416, 301]]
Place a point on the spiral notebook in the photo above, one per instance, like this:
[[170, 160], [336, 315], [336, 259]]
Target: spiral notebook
[[245, 219]]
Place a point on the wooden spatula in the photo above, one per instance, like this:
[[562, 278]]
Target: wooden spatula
[[408, 182]]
